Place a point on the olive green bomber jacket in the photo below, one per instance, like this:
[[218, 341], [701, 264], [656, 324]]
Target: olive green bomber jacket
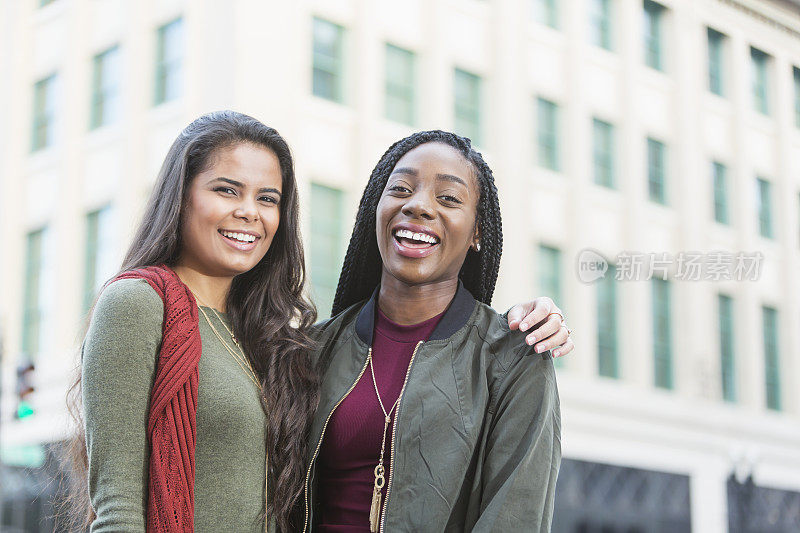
[[477, 440]]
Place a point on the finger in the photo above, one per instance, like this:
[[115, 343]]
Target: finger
[[545, 329], [564, 349], [542, 306], [517, 313], [555, 340]]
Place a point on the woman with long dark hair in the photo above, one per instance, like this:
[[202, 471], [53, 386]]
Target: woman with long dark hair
[[220, 229], [198, 352], [434, 415]]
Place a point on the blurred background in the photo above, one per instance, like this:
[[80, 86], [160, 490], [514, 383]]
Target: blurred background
[[648, 160]]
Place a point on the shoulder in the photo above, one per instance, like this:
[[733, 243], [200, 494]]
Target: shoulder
[[128, 302], [507, 349], [331, 327], [330, 333], [125, 330]]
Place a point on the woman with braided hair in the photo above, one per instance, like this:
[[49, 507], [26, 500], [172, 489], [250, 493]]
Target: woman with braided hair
[[433, 415]]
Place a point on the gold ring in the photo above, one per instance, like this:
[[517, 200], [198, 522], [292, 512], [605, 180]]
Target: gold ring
[[555, 313]]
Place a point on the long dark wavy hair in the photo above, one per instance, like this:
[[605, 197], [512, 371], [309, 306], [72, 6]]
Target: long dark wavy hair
[[361, 271], [266, 305]]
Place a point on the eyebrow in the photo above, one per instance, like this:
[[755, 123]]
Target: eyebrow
[[442, 177], [241, 185]]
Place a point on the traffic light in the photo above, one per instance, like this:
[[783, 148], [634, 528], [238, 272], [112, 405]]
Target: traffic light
[[24, 389]]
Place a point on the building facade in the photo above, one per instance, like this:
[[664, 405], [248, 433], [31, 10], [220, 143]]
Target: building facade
[[647, 156]]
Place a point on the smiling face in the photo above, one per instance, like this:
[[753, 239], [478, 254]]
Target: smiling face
[[231, 211], [426, 216]]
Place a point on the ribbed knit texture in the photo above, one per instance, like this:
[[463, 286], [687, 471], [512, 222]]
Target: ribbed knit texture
[[171, 426]]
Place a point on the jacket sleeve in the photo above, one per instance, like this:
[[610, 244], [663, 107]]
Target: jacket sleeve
[[523, 448], [118, 369]]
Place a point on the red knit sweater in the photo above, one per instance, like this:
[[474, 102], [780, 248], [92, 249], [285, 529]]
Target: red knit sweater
[[171, 425]]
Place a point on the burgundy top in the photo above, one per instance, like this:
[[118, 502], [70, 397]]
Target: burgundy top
[[352, 443]]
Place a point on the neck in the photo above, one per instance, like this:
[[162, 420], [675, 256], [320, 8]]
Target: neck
[[411, 304], [208, 290]]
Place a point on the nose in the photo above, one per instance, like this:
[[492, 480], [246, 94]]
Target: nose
[[419, 205], [247, 210]]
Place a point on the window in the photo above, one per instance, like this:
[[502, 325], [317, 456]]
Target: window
[[327, 233], [169, 62], [603, 143], [400, 83], [468, 105], [653, 28], [549, 261], [796, 72], [546, 12], [100, 263], [550, 273], [726, 347], [600, 29], [34, 295], [720, 173], [607, 364], [656, 171], [716, 62], [761, 87], [764, 197], [105, 88], [662, 334], [547, 133], [44, 110], [328, 72], [772, 374]]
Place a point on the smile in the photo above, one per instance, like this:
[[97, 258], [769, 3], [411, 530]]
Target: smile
[[244, 241], [414, 244]]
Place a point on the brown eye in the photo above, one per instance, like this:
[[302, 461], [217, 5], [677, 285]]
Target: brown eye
[[450, 199]]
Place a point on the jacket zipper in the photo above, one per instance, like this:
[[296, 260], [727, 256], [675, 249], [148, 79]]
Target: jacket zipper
[[394, 437], [322, 436]]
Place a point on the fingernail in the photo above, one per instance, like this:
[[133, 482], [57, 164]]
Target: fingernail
[[556, 353], [539, 349], [523, 326]]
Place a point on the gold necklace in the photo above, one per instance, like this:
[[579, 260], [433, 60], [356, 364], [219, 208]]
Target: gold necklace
[[380, 479], [248, 369], [241, 360]]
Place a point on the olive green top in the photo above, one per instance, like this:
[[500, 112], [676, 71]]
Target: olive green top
[[119, 363]]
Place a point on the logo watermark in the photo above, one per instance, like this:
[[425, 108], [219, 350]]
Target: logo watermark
[[683, 266]]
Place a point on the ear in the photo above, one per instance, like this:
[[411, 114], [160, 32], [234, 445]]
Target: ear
[[476, 240]]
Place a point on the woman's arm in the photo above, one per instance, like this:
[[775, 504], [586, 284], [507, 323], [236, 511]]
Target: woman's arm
[[550, 331], [523, 449], [118, 368]]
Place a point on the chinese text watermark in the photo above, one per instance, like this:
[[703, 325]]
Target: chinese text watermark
[[683, 266]]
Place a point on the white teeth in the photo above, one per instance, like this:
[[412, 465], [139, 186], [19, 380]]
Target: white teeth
[[423, 237], [243, 237]]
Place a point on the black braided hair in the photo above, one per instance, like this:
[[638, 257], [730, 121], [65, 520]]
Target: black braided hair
[[361, 271]]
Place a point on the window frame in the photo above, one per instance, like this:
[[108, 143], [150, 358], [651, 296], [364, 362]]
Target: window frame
[[328, 62], [404, 93], [169, 66]]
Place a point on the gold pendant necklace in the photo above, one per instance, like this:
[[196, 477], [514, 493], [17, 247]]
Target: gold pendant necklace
[[244, 364], [380, 478]]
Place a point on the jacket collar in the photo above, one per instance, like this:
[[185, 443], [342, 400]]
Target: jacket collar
[[456, 315]]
